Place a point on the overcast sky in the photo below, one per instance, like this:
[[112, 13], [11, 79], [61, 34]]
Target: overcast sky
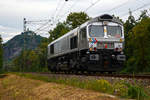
[[12, 12]]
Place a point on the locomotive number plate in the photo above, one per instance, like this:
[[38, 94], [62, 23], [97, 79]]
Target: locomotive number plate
[[94, 57], [118, 45]]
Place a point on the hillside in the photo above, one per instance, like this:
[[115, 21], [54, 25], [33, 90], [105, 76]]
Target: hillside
[[27, 40]]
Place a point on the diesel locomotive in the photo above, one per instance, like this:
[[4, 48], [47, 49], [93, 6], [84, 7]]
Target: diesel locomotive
[[95, 46]]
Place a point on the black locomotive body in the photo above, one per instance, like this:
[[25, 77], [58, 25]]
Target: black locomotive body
[[95, 46]]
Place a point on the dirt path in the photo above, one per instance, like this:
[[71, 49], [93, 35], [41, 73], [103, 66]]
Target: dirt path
[[13, 87]]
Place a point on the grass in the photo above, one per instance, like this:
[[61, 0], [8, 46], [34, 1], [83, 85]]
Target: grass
[[97, 85], [136, 92], [121, 89], [14, 87]]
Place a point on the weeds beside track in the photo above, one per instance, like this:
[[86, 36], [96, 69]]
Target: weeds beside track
[[119, 86]]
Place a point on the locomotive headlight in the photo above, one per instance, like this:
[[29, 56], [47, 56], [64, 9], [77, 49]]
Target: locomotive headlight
[[87, 52], [122, 52], [118, 46], [113, 56]]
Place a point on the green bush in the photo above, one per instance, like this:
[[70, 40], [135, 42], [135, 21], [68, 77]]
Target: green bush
[[120, 89], [136, 92], [104, 86]]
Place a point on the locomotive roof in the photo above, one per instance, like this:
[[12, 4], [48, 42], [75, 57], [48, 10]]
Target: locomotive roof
[[65, 35], [104, 17]]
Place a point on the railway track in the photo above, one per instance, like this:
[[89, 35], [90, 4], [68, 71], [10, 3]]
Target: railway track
[[127, 76], [115, 75]]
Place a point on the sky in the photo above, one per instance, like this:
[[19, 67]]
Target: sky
[[12, 12]]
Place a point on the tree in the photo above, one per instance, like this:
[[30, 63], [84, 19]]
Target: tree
[[128, 26], [27, 61], [1, 54], [42, 52], [139, 38], [130, 23], [33, 61], [75, 19], [143, 15], [59, 30]]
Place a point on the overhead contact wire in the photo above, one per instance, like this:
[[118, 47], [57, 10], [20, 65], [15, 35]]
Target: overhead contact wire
[[145, 5]]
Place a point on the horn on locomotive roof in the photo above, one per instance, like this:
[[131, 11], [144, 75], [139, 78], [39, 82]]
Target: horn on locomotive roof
[[106, 16], [102, 18]]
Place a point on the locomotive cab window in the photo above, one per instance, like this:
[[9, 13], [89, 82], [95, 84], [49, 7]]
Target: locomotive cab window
[[52, 49], [114, 31], [96, 31], [73, 42]]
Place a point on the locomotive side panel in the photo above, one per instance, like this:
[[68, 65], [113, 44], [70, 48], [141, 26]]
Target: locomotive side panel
[[63, 45], [83, 43]]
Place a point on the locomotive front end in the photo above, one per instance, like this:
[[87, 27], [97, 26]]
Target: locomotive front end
[[106, 44]]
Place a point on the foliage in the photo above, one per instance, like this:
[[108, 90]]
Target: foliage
[[27, 61], [120, 89], [136, 92], [139, 58], [143, 15], [137, 43], [104, 85], [75, 19], [130, 23], [42, 53], [1, 54], [59, 30], [31, 60]]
